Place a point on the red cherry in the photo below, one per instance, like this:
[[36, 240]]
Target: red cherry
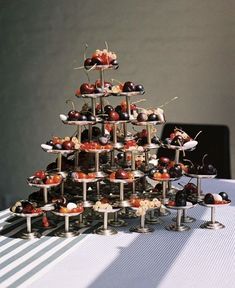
[[68, 145], [87, 88], [121, 174], [40, 174], [113, 116]]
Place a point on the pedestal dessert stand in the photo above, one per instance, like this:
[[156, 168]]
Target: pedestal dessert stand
[[59, 153], [165, 182], [142, 228], [46, 206], [213, 224], [68, 231], [121, 203], [178, 226], [28, 234], [105, 230], [85, 203], [79, 125], [199, 178]]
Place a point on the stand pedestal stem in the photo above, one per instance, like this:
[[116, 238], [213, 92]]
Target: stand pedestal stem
[[28, 223]]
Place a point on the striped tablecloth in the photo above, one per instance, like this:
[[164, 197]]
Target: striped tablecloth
[[194, 258]]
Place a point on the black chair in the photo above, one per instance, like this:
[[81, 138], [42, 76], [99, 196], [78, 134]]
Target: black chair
[[213, 140]]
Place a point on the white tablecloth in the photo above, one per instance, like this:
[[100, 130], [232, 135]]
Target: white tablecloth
[[194, 258]]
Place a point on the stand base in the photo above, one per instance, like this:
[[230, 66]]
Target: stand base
[[71, 233], [212, 226], [117, 223], [29, 236], [106, 232], [152, 220], [145, 229], [82, 224], [181, 228], [185, 219]]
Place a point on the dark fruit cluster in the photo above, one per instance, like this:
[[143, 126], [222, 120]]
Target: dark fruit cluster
[[101, 57], [129, 86], [202, 169], [66, 143], [144, 117], [166, 169], [177, 138], [41, 177], [221, 198], [26, 207]]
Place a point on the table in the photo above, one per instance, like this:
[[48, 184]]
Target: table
[[194, 258]]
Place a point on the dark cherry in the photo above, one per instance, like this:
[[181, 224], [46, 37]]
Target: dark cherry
[[87, 88], [108, 108], [209, 199], [142, 117], [118, 109], [180, 198], [177, 141], [120, 156], [19, 209], [139, 88], [97, 60], [88, 63], [153, 117], [50, 142], [115, 63], [128, 87], [68, 145], [73, 115], [163, 161], [124, 116], [175, 171], [82, 117], [91, 117], [121, 174], [224, 195]]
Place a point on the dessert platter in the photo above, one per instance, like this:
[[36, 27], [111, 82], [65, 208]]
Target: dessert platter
[[104, 171]]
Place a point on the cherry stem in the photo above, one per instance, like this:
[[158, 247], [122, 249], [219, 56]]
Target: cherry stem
[[85, 49], [197, 134], [71, 101], [203, 159], [112, 80], [106, 45], [141, 100], [166, 103], [88, 77], [187, 160]]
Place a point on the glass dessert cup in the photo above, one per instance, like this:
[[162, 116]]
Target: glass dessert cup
[[104, 229], [178, 226], [67, 232], [213, 224], [28, 233]]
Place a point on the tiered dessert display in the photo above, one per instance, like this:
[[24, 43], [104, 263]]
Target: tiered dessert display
[[103, 169]]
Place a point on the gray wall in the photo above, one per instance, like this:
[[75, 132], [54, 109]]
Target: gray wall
[[181, 48]]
